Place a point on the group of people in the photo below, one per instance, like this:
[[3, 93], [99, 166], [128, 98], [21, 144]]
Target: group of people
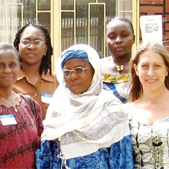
[[108, 113]]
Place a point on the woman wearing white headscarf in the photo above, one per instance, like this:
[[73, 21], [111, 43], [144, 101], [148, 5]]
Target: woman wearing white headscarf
[[85, 125]]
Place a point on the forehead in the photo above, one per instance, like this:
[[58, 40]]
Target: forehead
[[118, 25], [150, 56], [74, 62], [8, 54], [32, 31]]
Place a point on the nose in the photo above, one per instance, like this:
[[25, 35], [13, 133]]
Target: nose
[[7, 69], [73, 75], [118, 39], [150, 71], [32, 45]]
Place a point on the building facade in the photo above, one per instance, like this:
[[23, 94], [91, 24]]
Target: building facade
[[78, 21]]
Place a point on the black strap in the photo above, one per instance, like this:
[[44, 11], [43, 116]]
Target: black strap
[[29, 100]]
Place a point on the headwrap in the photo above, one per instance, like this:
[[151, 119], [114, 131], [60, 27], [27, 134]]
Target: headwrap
[[84, 122], [76, 53]]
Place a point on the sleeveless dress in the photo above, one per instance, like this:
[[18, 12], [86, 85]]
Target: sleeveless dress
[[150, 144]]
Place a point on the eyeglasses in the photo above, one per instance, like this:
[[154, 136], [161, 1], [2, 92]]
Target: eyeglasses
[[36, 43], [77, 70]]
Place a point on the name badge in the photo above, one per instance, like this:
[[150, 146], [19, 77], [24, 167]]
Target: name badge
[[8, 120], [46, 98]]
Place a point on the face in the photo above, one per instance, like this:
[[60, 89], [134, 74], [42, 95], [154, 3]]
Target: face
[[78, 83], [120, 38], [151, 71], [32, 54], [9, 68]]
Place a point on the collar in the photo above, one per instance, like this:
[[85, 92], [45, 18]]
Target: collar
[[46, 77]]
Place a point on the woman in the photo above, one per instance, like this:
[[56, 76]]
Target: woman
[[149, 108], [20, 128], [115, 68], [36, 77], [85, 126]]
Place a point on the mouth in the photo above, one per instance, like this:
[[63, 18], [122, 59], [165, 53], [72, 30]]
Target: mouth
[[31, 54], [119, 49], [7, 77], [151, 80], [74, 85]]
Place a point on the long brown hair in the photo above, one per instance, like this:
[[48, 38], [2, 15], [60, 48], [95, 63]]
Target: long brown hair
[[135, 88]]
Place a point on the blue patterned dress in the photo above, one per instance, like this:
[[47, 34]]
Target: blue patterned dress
[[118, 156], [118, 84]]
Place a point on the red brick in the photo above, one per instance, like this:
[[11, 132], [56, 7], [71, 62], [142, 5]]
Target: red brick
[[167, 6], [151, 9], [167, 26], [156, 2]]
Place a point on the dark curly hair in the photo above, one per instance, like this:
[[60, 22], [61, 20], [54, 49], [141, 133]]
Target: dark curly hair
[[46, 60]]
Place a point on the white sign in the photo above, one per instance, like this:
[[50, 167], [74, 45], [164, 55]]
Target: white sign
[[151, 28]]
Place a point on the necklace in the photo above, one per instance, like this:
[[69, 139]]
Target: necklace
[[119, 67], [9, 103]]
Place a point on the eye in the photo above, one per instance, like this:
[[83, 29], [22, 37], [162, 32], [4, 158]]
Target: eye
[[25, 42], [2, 65], [13, 65], [111, 36], [38, 42], [144, 66], [124, 35], [66, 73], [157, 66], [79, 70]]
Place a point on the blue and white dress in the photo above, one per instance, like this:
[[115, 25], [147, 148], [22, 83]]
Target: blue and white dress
[[118, 84], [90, 129], [117, 156]]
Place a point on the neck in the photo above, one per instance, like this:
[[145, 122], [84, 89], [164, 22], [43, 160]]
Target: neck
[[30, 70], [156, 96], [5, 93], [122, 60]]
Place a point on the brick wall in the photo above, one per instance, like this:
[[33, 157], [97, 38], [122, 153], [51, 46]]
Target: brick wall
[[157, 7]]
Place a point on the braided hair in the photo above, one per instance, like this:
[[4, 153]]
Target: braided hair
[[46, 60]]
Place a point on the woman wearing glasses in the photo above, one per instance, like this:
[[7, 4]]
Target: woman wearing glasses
[[88, 127], [36, 77]]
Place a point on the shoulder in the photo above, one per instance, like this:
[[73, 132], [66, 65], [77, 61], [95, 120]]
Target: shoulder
[[107, 65], [49, 77], [106, 60]]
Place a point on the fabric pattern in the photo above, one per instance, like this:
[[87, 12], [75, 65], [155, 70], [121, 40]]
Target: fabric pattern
[[151, 144], [19, 142], [104, 158], [46, 84], [118, 85], [86, 124]]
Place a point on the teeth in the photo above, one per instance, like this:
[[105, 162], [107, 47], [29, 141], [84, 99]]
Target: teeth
[[151, 81], [119, 49]]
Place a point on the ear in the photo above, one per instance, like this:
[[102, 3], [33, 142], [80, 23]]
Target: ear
[[133, 39], [46, 49], [167, 70], [135, 68]]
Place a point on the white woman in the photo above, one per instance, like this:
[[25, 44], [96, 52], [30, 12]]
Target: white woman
[[85, 126], [149, 108]]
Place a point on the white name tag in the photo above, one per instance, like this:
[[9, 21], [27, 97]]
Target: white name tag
[[8, 119], [46, 98]]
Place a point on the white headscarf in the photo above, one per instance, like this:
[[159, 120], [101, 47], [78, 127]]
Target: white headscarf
[[85, 122]]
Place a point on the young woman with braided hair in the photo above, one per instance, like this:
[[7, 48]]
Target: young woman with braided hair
[[36, 78]]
